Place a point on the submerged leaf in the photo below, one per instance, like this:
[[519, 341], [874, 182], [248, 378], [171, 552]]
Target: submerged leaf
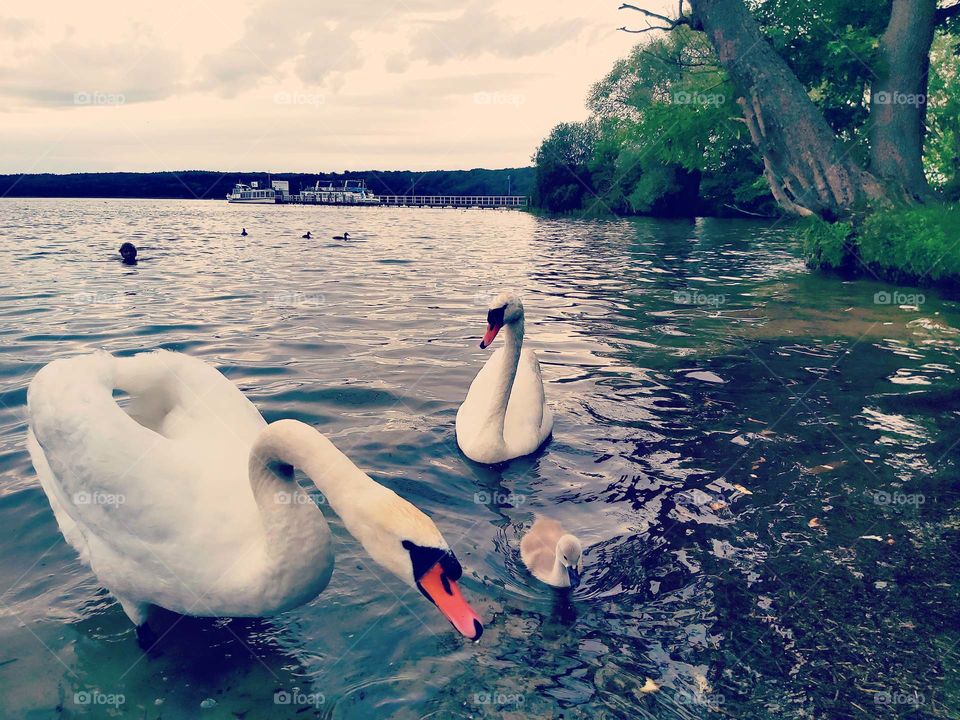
[[649, 686]]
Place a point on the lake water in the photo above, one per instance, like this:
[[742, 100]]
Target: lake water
[[762, 461]]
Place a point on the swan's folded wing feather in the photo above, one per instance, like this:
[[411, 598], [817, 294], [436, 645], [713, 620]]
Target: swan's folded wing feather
[[480, 397], [525, 411], [110, 474]]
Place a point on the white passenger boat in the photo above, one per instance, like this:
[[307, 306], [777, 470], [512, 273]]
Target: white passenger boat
[[252, 193], [353, 192]]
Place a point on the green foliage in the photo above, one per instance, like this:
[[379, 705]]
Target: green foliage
[[827, 246], [563, 180], [919, 243], [668, 135], [831, 45], [667, 139], [909, 244], [942, 146]]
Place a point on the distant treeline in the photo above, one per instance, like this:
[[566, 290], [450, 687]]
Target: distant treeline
[[205, 184]]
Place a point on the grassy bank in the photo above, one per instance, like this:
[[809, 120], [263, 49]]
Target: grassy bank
[[917, 245]]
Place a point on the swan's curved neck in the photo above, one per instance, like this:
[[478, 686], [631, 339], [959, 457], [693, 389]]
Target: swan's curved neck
[[347, 489], [503, 383]]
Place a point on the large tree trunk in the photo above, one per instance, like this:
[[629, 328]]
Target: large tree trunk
[[808, 170], [898, 101]]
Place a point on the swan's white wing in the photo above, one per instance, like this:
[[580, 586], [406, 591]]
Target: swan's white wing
[[476, 408], [97, 454], [130, 498]]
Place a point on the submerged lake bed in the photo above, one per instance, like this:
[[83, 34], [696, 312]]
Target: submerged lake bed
[[760, 460]]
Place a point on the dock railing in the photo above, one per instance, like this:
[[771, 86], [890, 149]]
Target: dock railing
[[434, 201], [480, 201]]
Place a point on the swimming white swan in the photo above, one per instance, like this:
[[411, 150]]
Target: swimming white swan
[[551, 554], [505, 414], [187, 500]]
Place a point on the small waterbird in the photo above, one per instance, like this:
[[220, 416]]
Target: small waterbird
[[243, 232], [128, 253], [345, 236], [551, 554], [307, 236]]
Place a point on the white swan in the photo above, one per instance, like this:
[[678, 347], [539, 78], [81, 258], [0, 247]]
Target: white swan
[[505, 414], [551, 554], [187, 500]]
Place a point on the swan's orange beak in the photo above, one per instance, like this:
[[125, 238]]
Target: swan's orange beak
[[492, 331], [444, 593]]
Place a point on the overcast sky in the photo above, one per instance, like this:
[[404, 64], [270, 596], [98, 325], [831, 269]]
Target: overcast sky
[[298, 85]]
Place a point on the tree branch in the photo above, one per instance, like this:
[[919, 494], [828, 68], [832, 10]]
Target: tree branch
[[670, 24]]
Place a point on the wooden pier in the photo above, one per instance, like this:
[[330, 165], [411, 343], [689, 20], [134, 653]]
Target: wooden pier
[[454, 201], [433, 201]]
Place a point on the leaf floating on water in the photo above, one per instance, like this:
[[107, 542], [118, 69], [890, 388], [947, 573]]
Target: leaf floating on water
[[703, 687], [814, 522], [742, 489], [717, 505], [706, 376], [871, 537], [649, 686], [826, 467]]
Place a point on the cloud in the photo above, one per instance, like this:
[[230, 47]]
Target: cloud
[[316, 40], [478, 31], [17, 28], [129, 72]]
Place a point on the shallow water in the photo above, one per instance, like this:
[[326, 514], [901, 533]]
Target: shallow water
[[763, 462]]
